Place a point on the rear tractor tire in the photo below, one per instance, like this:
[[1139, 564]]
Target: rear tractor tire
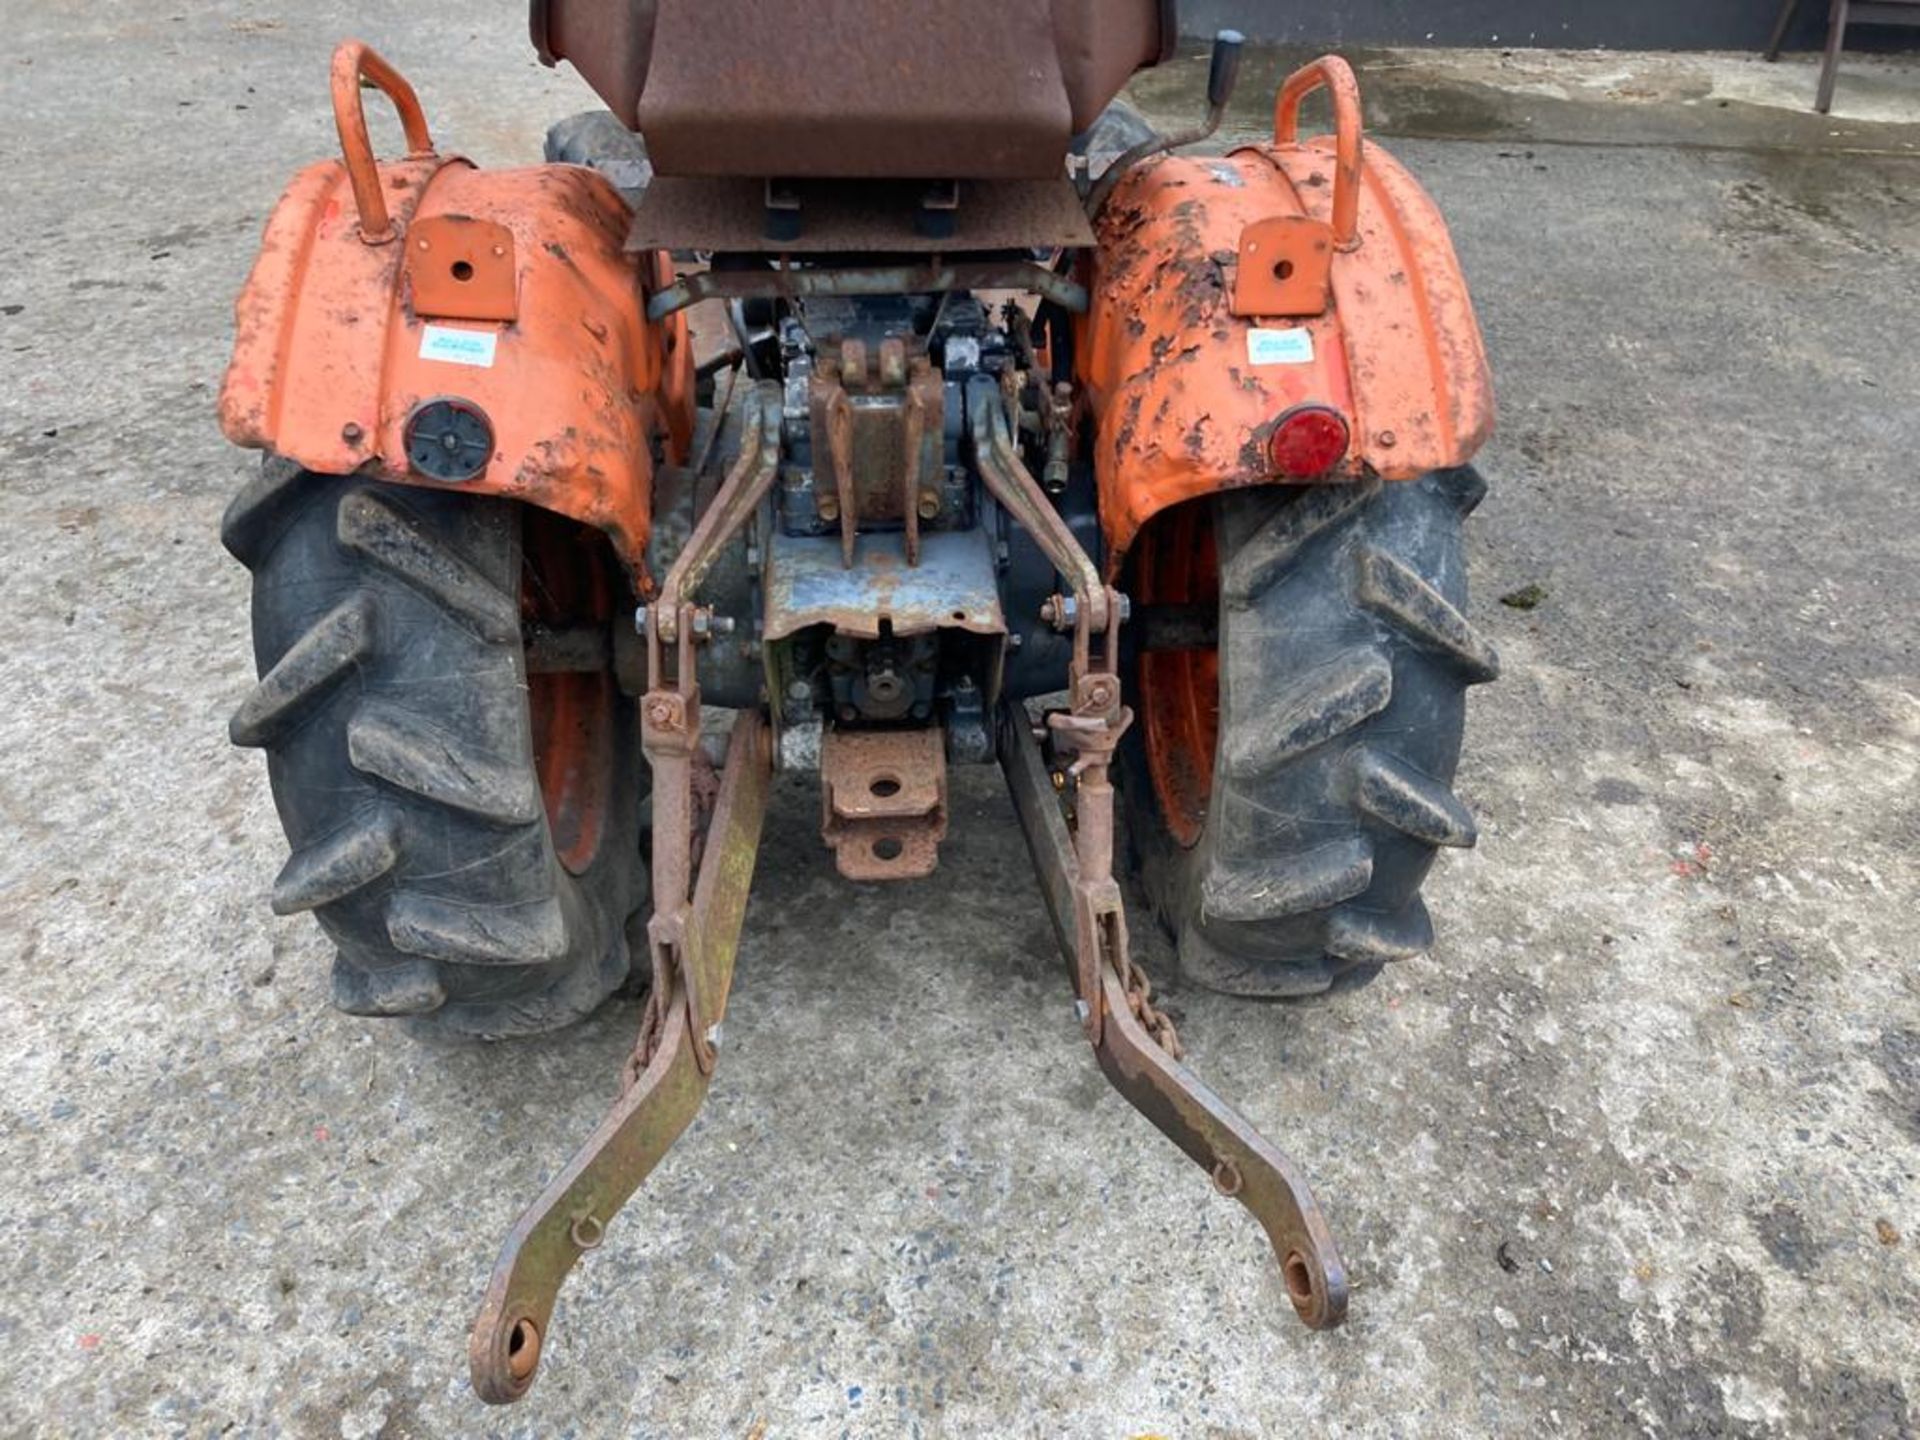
[[597, 140], [1287, 791], [467, 835]]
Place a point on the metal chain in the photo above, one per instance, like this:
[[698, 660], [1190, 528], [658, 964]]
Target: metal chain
[[1154, 1021], [653, 1018]]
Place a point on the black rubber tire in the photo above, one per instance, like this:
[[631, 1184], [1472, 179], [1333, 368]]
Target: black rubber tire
[[597, 139], [1345, 656], [1118, 129], [393, 707]]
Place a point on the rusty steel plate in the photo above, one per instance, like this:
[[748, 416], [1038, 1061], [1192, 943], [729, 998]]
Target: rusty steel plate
[[872, 217], [883, 800], [952, 586]]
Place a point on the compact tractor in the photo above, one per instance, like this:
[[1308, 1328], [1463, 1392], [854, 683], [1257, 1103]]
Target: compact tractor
[[1020, 439]]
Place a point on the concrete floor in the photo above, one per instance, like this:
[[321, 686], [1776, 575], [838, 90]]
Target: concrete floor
[[1634, 1151], [1586, 97]]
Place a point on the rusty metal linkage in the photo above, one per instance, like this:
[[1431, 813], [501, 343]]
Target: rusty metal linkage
[[846, 506], [884, 811], [1136, 1050], [1006, 476], [733, 505], [692, 938], [876, 413], [663, 1092]]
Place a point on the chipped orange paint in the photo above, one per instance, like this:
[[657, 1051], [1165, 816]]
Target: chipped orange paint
[[1182, 411], [328, 362]]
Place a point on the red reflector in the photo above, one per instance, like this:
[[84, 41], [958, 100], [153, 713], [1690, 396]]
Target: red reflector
[[1309, 441]]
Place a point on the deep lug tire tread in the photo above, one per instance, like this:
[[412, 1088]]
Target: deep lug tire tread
[[377, 530], [1345, 657], [337, 643], [333, 868], [437, 764], [597, 140], [393, 709]]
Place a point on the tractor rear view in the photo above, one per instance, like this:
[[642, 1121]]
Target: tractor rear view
[[1028, 441]]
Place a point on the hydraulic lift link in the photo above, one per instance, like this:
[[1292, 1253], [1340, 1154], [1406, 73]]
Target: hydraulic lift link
[[1091, 928], [692, 939]]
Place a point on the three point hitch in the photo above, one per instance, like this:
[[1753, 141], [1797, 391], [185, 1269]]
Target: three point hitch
[[700, 897]]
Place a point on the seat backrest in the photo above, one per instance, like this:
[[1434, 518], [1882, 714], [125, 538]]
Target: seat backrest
[[859, 89]]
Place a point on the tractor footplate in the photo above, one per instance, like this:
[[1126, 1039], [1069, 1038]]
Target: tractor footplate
[[1134, 1043], [883, 800], [665, 1083]]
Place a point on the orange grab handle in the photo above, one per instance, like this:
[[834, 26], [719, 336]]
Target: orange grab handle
[[351, 62], [1337, 76]]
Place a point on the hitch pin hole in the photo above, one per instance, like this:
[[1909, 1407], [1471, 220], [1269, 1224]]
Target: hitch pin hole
[[523, 1349], [1298, 1277]]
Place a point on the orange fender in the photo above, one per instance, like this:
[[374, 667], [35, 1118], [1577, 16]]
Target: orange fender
[[508, 290], [1202, 334]]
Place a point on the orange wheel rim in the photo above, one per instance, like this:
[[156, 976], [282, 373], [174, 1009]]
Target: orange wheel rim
[[565, 581], [1180, 689]]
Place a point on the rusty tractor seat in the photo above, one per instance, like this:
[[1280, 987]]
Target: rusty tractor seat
[[857, 89]]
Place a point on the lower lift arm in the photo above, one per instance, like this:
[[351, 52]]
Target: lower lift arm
[[1144, 1065], [663, 1090]]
